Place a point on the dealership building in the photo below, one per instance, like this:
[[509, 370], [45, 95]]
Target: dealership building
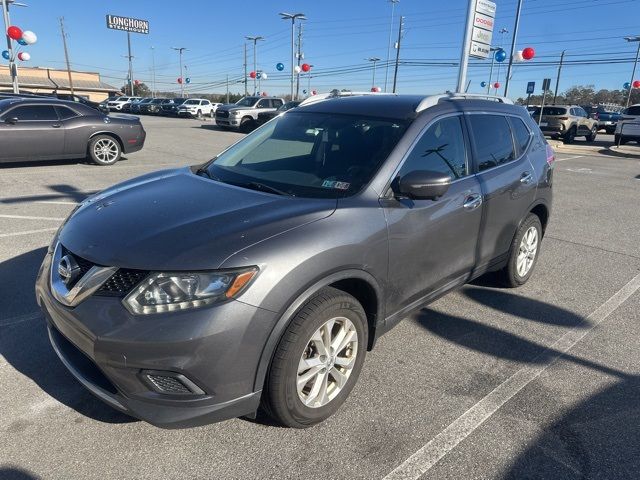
[[49, 80]]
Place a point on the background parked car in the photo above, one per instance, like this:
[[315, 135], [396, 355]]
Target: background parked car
[[196, 107], [264, 117], [152, 107], [606, 115], [170, 105], [566, 122], [118, 103], [135, 106], [628, 127], [243, 115], [49, 129]]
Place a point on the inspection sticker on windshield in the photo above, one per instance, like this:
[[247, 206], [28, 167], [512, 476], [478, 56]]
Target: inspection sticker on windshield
[[336, 185]]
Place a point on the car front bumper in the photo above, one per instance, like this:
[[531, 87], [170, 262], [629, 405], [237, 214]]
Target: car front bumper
[[113, 353], [230, 122]]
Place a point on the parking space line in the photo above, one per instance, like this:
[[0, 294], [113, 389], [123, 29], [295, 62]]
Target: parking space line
[[28, 232], [570, 158], [27, 217], [432, 452], [5, 322], [53, 202]]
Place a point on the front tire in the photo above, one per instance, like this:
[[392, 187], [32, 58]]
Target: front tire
[[524, 252], [592, 136], [570, 136], [317, 361], [246, 125], [104, 150]]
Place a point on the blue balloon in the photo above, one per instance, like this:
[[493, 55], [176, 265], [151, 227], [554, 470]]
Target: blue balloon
[[500, 56], [280, 66], [304, 91], [258, 75], [626, 86], [22, 42], [5, 55], [188, 80], [483, 84]]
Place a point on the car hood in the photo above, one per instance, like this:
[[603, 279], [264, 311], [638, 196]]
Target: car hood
[[176, 220]]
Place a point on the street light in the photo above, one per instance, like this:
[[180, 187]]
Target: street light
[[255, 61], [13, 69], [635, 64], [386, 69], [292, 17], [374, 60], [180, 50]]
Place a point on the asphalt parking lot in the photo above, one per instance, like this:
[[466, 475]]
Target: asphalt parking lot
[[538, 382]]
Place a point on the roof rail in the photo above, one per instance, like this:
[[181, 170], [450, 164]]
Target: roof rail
[[432, 100], [336, 94]]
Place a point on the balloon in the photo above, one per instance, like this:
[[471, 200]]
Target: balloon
[[280, 66], [180, 80], [306, 67], [252, 74], [500, 55], [297, 69], [626, 86], [24, 56], [375, 89], [304, 91], [264, 94], [187, 80], [14, 33], [636, 84], [313, 92], [5, 54], [136, 82], [29, 38], [22, 42], [496, 85], [264, 76], [518, 56], [528, 53], [483, 84], [258, 75]]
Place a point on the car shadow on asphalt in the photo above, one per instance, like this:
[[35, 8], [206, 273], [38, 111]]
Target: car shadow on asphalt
[[24, 342], [61, 192], [595, 438], [16, 473]]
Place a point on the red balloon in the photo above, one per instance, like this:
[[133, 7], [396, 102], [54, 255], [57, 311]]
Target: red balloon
[[305, 67], [636, 84], [496, 85], [264, 94], [313, 92], [136, 82], [179, 79], [252, 74], [14, 33], [528, 53], [375, 89]]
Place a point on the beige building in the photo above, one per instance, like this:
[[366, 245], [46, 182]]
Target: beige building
[[48, 80]]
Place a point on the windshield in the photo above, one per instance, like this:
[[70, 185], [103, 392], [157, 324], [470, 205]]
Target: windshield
[[157, 100], [633, 110], [550, 111], [122, 99], [192, 102], [247, 101], [310, 155]]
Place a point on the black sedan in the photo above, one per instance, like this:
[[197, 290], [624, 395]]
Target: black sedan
[[152, 107], [264, 117], [51, 129]]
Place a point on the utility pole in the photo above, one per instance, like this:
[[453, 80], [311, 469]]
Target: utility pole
[[555, 93], [395, 73], [292, 17], [66, 53], [180, 50], [255, 39], [153, 72], [513, 48], [300, 56], [245, 70], [386, 69], [13, 68], [227, 88], [635, 64], [130, 57]]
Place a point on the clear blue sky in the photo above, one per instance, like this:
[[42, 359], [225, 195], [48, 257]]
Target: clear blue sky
[[337, 35]]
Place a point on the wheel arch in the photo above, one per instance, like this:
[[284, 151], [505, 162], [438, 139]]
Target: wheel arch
[[358, 283], [542, 212], [109, 134]]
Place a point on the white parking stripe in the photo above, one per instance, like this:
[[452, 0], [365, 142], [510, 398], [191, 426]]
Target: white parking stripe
[[5, 322], [570, 158], [52, 202], [27, 232], [27, 217], [420, 462]]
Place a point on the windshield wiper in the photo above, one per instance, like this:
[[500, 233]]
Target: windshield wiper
[[264, 188]]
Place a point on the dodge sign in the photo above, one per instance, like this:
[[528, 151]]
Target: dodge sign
[[127, 24]]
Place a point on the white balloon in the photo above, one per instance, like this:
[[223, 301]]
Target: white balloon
[[264, 76], [518, 56], [24, 56], [29, 37], [297, 69]]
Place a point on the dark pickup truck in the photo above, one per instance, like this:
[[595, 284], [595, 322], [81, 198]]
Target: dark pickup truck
[[607, 118]]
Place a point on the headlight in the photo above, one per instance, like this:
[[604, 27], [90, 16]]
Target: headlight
[[234, 114], [168, 292]]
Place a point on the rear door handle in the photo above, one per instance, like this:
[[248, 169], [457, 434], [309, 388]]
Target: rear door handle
[[526, 178], [56, 125], [472, 201]]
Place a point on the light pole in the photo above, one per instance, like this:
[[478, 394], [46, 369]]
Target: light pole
[[13, 68], [386, 69], [255, 39], [635, 64], [374, 60], [180, 50], [292, 17], [493, 58], [153, 72]]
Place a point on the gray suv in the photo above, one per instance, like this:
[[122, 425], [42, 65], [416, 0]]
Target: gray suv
[[263, 276], [243, 115]]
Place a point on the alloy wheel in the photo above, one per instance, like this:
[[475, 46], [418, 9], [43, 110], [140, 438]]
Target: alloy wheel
[[527, 251], [106, 150], [326, 362]]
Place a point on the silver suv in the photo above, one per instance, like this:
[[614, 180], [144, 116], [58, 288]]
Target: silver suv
[[243, 115]]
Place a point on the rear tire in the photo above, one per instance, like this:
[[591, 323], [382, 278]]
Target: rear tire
[[317, 361], [523, 254], [104, 150], [570, 136]]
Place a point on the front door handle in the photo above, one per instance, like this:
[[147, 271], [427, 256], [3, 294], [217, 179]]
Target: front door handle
[[56, 125], [472, 201], [526, 178]]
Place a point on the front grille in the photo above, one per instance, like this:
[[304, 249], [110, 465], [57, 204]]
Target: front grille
[[222, 113], [168, 384], [84, 264], [122, 282]]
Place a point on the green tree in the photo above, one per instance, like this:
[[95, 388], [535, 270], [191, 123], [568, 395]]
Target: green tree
[[140, 90]]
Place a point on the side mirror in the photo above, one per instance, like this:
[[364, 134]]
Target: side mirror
[[12, 120], [424, 185]]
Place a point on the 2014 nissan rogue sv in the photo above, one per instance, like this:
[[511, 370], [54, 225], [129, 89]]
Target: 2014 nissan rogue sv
[[262, 277]]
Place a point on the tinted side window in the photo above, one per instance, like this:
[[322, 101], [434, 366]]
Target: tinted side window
[[33, 112], [277, 103], [66, 113], [633, 110], [440, 149], [521, 134], [264, 103], [492, 140]]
